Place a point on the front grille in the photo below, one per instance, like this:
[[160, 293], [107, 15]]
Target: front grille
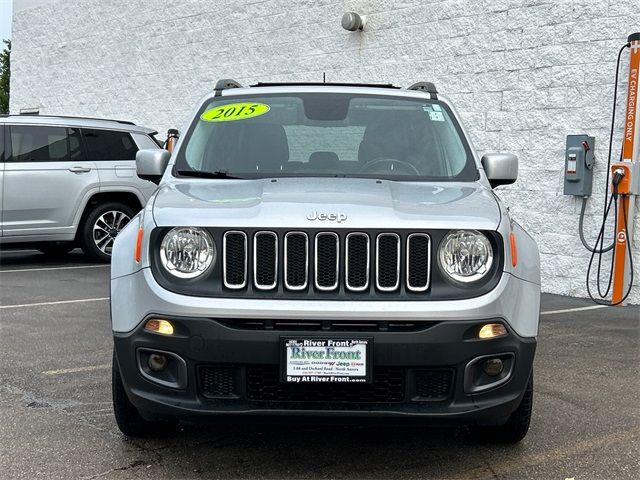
[[218, 382], [296, 260], [418, 255], [265, 260], [327, 325], [235, 259], [263, 384], [388, 262], [357, 262], [434, 385], [328, 263]]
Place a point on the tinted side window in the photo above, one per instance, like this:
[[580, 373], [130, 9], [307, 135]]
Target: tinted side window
[[39, 144], [75, 149], [109, 145]]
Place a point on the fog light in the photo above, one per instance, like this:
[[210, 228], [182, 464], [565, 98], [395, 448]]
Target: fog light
[[493, 367], [492, 330], [157, 362], [159, 326]]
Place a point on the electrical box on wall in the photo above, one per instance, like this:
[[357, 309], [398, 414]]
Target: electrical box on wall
[[578, 165]]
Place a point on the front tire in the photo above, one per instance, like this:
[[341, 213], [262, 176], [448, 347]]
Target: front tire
[[128, 419], [100, 228], [516, 427]]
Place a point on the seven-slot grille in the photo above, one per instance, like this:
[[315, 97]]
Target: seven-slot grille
[[325, 260]]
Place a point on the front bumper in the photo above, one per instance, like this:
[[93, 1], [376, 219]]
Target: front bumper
[[138, 295], [417, 374]]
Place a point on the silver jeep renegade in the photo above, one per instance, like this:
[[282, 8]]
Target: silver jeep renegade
[[325, 250]]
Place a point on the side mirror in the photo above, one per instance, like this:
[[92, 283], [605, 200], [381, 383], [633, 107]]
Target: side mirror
[[151, 164], [501, 168]]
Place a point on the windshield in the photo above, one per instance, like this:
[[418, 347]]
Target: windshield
[[326, 134]]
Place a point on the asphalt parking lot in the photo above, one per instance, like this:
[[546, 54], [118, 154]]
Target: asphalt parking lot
[[56, 419]]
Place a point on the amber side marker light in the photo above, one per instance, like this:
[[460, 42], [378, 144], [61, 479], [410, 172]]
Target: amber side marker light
[[492, 330], [159, 326], [138, 253], [514, 249]]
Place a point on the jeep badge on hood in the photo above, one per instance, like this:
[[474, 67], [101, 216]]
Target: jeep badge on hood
[[332, 217]]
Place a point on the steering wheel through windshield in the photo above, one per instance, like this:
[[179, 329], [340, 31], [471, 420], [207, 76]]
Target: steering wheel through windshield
[[369, 166]]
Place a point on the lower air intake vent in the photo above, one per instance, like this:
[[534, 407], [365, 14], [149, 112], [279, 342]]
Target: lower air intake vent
[[434, 385], [218, 382], [263, 384]]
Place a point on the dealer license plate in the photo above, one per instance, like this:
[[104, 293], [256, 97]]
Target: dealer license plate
[[317, 360]]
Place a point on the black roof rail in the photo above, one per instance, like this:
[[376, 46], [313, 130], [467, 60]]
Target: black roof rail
[[226, 83], [71, 117], [428, 87], [314, 84]]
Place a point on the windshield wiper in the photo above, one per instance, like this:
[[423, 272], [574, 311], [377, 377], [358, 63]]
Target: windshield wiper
[[207, 174]]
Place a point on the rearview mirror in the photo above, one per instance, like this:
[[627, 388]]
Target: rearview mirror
[[151, 164], [501, 168]]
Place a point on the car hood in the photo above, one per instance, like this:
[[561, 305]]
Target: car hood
[[325, 203]]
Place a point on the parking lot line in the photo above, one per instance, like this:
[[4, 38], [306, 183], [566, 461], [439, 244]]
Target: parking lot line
[[44, 269], [60, 302], [89, 368], [577, 309]]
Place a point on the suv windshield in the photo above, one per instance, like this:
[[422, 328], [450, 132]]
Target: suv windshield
[[326, 134]]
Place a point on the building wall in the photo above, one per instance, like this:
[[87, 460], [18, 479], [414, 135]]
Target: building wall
[[524, 74]]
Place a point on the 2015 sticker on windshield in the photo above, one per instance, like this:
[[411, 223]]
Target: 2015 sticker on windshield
[[234, 111]]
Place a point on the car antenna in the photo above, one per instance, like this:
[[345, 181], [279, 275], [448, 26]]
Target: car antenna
[[324, 77]]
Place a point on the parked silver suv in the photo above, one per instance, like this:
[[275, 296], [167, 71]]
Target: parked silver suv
[[325, 250], [67, 181]]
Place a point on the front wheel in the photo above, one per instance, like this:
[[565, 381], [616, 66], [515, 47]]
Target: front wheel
[[128, 419], [101, 227], [516, 427]]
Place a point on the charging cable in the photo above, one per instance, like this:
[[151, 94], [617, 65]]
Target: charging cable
[[595, 248], [612, 200]]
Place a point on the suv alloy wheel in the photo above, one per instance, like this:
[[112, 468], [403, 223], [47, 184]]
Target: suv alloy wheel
[[100, 228]]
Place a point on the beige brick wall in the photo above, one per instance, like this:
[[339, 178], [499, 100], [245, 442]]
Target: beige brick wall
[[523, 73]]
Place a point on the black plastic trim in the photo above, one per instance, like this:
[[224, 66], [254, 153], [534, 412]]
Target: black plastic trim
[[225, 84], [211, 284], [207, 342], [428, 87]]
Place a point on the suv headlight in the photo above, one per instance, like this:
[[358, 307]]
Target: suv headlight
[[187, 252], [465, 255]]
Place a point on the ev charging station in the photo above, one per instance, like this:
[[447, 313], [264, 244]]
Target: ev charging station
[[622, 187], [629, 186]]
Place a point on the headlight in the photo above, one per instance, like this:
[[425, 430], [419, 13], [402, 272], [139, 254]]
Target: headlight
[[465, 255], [186, 252]]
